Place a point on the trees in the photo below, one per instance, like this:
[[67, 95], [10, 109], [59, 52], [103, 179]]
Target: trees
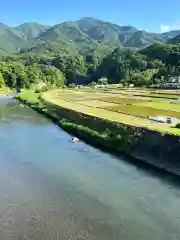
[[34, 74], [138, 79], [20, 77], [144, 78], [140, 67], [52, 75], [72, 67], [16, 75]]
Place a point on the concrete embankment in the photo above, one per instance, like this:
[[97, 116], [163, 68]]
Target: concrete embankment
[[152, 147]]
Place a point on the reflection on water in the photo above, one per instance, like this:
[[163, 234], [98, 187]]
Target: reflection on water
[[11, 111], [51, 188]]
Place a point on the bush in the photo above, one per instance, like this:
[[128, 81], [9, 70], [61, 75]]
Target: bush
[[177, 125], [44, 88]]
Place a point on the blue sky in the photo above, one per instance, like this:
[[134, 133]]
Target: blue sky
[[151, 15]]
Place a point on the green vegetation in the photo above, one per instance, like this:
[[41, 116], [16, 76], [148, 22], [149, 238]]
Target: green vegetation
[[29, 96], [145, 112], [145, 107], [84, 52], [128, 111], [75, 36], [3, 89], [152, 65], [89, 52], [18, 76]]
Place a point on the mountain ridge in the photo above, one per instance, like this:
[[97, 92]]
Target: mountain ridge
[[80, 34]]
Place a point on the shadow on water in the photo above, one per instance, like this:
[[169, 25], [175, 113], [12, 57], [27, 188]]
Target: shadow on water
[[162, 174], [12, 109]]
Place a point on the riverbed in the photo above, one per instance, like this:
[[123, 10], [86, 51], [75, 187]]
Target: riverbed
[[52, 188]]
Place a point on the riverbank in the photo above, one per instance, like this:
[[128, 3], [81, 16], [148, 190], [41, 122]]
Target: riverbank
[[5, 91], [161, 150]]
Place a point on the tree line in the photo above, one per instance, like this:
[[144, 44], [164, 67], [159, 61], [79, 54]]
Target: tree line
[[150, 65]]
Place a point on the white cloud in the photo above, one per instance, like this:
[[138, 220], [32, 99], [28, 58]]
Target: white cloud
[[165, 28]]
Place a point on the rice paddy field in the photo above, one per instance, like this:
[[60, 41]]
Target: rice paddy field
[[130, 106]]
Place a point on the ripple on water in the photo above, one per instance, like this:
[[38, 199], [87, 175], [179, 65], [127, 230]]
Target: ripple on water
[[51, 188]]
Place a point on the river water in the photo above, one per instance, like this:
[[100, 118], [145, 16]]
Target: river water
[[52, 188]]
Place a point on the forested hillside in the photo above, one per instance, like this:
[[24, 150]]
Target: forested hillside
[[151, 65], [79, 36], [84, 51]]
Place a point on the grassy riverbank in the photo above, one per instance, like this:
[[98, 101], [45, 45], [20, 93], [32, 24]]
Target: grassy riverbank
[[35, 101], [90, 128]]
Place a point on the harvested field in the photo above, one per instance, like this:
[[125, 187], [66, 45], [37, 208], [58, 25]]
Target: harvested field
[[130, 106]]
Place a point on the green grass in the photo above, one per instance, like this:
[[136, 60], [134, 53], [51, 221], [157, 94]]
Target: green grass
[[52, 97], [120, 100], [29, 96], [154, 95], [166, 92], [161, 105], [141, 111]]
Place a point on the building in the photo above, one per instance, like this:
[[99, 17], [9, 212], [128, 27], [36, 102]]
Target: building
[[173, 82]]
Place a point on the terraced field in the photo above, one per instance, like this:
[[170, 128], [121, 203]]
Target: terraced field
[[130, 106]]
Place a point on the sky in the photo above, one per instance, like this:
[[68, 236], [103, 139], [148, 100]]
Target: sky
[[150, 15]]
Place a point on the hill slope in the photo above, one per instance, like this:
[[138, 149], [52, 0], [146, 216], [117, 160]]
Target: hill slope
[[89, 30], [16, 38], [31, 30], [10, 40], [80, 35], [175, 40]]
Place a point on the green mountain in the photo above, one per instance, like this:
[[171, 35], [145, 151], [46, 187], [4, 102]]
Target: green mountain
[[142, 38], [175, 40], [89, 31], [92, 32], [12, 39], [31, 30], [75, 36], [171, 34]]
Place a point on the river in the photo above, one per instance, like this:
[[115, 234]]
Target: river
[[52, 188]]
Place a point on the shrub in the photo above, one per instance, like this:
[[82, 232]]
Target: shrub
[[177, 125], [44, 88]]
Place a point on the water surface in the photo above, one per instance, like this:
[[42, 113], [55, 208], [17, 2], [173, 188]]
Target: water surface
[[52, 188]]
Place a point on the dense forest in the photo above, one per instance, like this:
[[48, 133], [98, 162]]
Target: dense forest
[[144, 67], [66, 55]]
